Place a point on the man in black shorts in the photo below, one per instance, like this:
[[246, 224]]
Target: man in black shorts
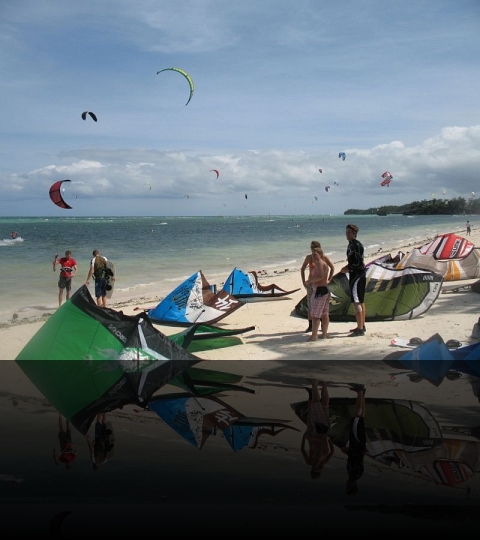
[[357, 278], [356, 446]]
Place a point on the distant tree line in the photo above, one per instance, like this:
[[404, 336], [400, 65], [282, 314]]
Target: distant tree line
[[456, 206]]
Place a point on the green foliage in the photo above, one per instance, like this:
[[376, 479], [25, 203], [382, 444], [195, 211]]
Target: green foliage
[[425, 207]]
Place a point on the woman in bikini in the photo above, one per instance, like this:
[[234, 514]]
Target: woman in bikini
[[320, 277]]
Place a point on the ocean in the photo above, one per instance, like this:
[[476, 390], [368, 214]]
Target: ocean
[[153, 255]]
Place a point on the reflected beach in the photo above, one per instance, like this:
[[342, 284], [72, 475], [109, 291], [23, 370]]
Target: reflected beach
[[230, 443]]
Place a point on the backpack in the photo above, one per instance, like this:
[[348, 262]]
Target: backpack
[[100, 268]]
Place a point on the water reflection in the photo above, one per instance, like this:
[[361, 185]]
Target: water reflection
[[232, 436]]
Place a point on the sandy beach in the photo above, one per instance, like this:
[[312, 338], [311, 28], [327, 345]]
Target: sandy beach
[[279, 332]]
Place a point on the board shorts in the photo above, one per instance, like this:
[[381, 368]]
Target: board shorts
[[357, 284], [310, 291], [318, 417], [100, 433], [65, 282], [100, 287], [357, 448], [319, 303]]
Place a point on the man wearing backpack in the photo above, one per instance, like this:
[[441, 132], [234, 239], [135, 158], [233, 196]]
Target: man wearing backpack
[[98, 269]]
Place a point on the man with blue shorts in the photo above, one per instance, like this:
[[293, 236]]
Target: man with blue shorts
[[98, 270]]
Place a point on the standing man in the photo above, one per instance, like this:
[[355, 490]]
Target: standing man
[[357, 278], [469, 228], [98, 269], [67, 272]]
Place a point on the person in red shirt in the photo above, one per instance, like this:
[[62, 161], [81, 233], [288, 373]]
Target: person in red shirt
[[68, 451], [68, 270]]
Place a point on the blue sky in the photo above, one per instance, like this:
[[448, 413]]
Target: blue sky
[[280, 88]]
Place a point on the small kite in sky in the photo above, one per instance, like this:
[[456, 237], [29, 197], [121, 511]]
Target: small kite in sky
[[186, 75], [320, 170], [327, 188], [342, 155], [246, 196], [215, 171], [386, 181], [387, 178], [91, 114]]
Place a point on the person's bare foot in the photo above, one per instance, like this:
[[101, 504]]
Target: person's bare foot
[[312, 338]]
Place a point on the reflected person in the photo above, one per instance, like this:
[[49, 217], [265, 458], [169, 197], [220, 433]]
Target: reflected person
[[318, 425], [68, 451], [357, 442], [103, 443]]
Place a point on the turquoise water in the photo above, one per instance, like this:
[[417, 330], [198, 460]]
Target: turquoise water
[[154, 254]]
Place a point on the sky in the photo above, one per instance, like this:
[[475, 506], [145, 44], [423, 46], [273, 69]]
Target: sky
[[281, 88]]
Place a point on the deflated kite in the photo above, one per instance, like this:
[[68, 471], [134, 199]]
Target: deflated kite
[[186, 75]]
